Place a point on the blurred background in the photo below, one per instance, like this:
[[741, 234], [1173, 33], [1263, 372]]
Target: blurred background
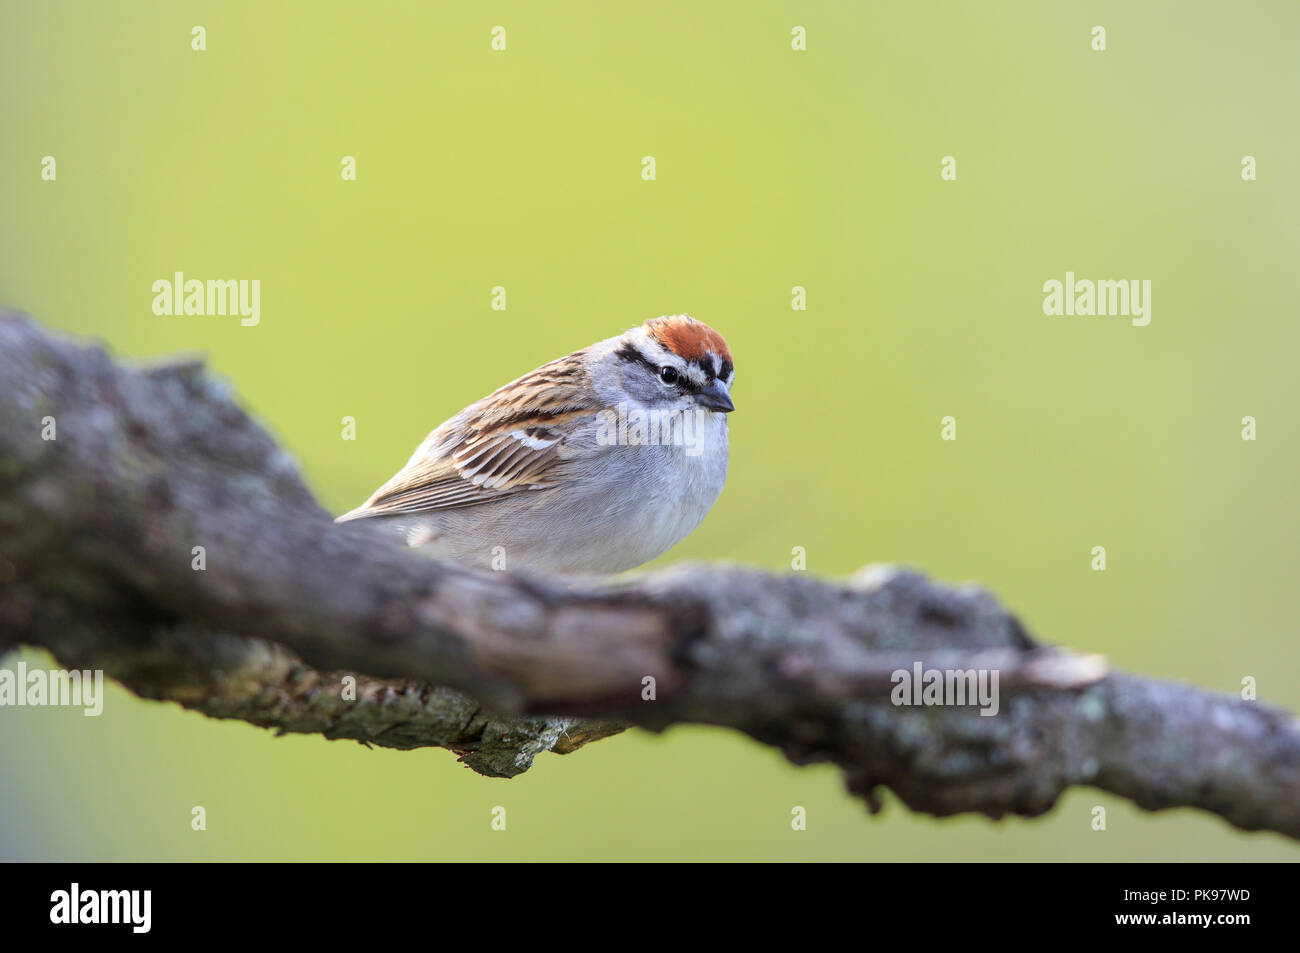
[[775, 168]]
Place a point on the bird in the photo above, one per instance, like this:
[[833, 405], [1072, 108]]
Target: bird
[[592, 464]]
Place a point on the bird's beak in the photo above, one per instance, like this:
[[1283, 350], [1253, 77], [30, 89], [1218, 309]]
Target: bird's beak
[[715, 397]]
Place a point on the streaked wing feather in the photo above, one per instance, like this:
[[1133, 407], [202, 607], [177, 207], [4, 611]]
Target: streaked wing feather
[[510, 442], [508, 458]]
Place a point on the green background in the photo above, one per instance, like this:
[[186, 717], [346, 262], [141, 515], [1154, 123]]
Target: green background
[[775, 168]]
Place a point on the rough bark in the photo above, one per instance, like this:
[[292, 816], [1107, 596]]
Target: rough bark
[[97, 534]]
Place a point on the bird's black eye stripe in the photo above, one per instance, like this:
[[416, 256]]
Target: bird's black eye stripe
[[668, 374], [629, 353]]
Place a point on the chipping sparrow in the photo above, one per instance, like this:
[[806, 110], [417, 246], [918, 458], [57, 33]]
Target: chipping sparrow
[[597, 462]]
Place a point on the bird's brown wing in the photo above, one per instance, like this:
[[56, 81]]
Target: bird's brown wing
[[514, 440]]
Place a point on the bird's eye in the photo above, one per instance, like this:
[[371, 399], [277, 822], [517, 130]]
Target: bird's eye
[[668, 374]]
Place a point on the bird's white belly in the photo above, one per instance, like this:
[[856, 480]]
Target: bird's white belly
[[635, 503]]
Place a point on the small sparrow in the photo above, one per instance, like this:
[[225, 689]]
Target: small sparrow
[[594, 463]]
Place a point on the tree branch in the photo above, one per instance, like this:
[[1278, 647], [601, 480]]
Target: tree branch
[[97, 534]]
